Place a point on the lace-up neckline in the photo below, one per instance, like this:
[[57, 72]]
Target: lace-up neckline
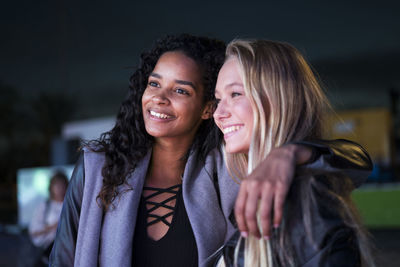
[[153, 205], [162, 213]]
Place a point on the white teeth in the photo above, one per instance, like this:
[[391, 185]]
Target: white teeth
[[232, 129], [159, 115]]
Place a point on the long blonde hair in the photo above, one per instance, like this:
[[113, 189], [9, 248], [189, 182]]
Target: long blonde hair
[[288, 105]]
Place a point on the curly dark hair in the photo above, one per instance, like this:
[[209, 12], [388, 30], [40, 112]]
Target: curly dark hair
[[128, 142]]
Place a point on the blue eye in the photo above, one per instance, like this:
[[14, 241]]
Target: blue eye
[[153, 84], [181, 91], [234, 94]]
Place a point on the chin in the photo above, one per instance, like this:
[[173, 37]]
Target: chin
[[154, 133], [234, 149]]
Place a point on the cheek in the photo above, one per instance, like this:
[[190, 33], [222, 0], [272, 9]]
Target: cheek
[[249, 115], [189, 112], [217, 122], [192, 107], [245, 111], [146, 97], [218, 125]]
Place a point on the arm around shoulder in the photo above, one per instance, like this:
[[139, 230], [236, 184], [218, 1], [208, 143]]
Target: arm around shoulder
[[340, 155]]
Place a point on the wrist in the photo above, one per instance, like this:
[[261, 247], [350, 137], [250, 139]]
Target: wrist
[[303, 154]]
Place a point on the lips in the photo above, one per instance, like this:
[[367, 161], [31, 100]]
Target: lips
[[160, 115], [231, 128]]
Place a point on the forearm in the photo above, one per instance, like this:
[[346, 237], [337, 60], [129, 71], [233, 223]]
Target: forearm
[[302, 153], [271, 179], [44, 231]]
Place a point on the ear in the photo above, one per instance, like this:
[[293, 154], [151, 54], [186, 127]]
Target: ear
[[208, 110]]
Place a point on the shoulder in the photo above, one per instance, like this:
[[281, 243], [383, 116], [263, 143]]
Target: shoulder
[[322, 189], [86, 175], [91, 153], [322, 197], [215, 155], [318, 221], [215, 161], [340, 248], [91, 161]]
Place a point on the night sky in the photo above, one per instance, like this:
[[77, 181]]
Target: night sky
[[90, 47]]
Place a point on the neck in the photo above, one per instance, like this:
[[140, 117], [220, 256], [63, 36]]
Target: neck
[[167, 162]]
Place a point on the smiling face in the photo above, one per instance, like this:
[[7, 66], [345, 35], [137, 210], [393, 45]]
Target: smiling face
[[234, 115], [173, 100]]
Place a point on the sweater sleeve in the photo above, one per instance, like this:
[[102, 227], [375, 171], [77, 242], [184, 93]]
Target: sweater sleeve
[[63, 252], [37, 224]]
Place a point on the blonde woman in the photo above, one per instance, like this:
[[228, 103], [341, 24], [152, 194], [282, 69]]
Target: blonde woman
[[268, 97]]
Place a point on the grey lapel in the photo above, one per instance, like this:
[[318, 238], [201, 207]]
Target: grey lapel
[[201, 203], [119, 224]]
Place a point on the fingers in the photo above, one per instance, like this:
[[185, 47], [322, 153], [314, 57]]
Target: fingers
[[251, 209], [247, 206], [240, 209], [262, 198], [281, 192], [265, 212], [264, 191]]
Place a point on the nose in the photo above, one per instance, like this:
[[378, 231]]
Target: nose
[[160, 97], [221, 112]]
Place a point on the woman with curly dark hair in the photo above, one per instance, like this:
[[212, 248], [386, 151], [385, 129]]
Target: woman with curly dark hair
[[154, 190]]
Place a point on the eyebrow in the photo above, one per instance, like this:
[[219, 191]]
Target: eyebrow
[[234, 84], [228, 86], [186, 83], [156, 75]]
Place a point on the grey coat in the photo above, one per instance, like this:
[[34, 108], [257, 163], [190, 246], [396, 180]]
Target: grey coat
[[88, 237]]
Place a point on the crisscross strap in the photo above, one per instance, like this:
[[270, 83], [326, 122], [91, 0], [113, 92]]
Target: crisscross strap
[[157, 218]]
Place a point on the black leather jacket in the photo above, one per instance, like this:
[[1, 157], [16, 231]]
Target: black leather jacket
[[341, 154], [321, 237]]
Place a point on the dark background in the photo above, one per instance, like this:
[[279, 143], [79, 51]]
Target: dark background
[[71, 60], [87, 48]]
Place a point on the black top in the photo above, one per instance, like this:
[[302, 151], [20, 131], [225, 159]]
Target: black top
[[178, 246]]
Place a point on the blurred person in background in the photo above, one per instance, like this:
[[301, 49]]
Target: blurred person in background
[[43, 226]]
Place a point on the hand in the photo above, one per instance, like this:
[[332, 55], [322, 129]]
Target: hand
[[46, 230], [266, 188], [52, 227]]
